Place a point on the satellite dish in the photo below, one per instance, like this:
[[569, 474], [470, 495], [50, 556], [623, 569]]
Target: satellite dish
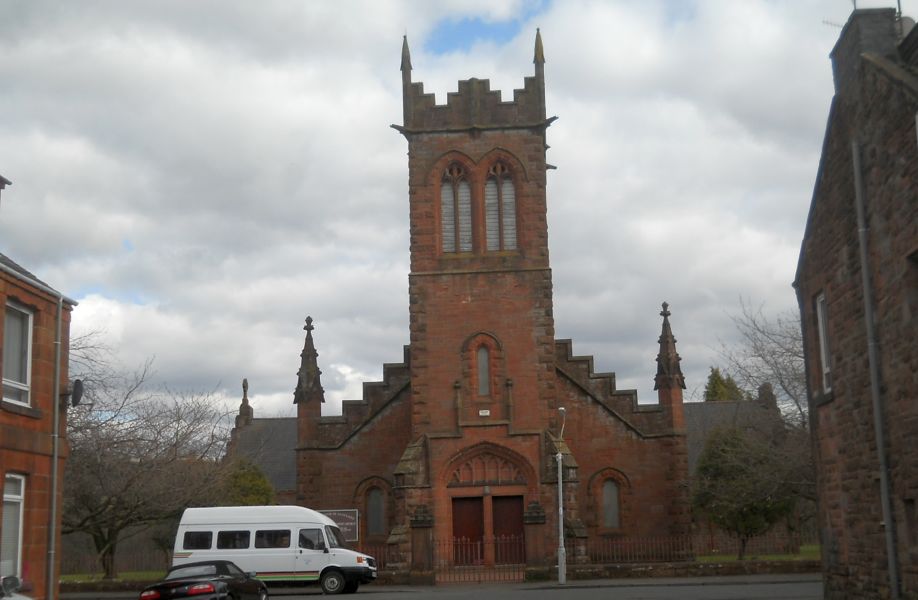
[[77, 394]]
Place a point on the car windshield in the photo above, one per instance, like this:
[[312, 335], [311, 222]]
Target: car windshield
[[335, 538], [192, 571]]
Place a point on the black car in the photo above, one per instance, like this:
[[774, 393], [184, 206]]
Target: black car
[[207, 580]]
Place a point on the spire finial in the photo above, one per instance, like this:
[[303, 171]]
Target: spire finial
[[406, 54], [669, 373], [308, 377], [539, 56], [245, 410]]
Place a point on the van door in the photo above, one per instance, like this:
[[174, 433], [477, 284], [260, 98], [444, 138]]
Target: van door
[[271, 557], [311, 555]]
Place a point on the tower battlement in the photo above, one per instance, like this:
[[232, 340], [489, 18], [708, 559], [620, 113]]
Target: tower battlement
[[475, 105]]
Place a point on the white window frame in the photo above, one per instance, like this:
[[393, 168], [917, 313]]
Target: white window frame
[[20, 500], [822, 327], [27, 386]]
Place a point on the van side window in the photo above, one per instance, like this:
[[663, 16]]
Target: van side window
[[232, 540], [311, 539], [272, 538], [197, 540]]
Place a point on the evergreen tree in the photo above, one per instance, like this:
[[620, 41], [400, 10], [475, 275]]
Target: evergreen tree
[[720, 388], [246, 485]]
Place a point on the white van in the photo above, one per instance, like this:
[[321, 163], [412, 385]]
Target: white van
[[280, 544]]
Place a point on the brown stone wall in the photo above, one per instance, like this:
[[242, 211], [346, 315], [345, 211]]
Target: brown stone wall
[[25, 432], [874, 106], [330, 477], [633, 445]]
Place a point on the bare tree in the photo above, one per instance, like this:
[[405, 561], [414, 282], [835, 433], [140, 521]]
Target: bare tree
[[770, 350], [137, 457]]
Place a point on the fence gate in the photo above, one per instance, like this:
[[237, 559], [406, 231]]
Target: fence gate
[[482, 560]]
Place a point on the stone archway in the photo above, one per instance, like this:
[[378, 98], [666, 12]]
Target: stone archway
[[487, 485]]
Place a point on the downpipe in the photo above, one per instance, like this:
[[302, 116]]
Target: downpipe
[[889, 529]]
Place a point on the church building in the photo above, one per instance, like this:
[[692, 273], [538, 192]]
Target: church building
[[454, 451]]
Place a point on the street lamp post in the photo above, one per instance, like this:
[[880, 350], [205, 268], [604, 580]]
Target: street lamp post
[[562, 553]]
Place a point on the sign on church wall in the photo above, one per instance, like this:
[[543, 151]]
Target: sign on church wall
[[348, 520]]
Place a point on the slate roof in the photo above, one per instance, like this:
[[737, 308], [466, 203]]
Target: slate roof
[[271, 444], [701, 418], [9, 262]]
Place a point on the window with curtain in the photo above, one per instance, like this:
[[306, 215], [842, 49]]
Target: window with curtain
[[376, 512], [17, 342], [611, 513], [11, 534], [455, 210], [500, 210]]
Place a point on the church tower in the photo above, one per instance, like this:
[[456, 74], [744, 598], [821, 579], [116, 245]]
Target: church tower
[[482, 332], [482, 347]]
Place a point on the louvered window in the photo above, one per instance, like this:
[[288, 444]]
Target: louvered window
[[456, 211], [500, 210]]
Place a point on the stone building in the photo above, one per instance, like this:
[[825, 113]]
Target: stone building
[[35, 317], [458, 441], [860, 257]]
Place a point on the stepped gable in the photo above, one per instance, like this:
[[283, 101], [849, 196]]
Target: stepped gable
[[646, 420], [335, 430]]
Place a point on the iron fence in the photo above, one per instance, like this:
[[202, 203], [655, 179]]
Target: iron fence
[[501, 558], [490, 559]]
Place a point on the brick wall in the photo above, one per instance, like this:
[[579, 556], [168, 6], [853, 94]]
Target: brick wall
[[875, 104], [25, 432]]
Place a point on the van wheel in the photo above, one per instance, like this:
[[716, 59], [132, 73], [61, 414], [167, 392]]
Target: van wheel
[[332, 582], [351, 587]]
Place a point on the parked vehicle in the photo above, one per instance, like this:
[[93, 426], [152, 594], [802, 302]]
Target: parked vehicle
[[207, 580], [287, 545], [9, 586]]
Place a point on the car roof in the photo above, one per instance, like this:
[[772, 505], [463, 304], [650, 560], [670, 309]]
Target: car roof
[[204, 562]]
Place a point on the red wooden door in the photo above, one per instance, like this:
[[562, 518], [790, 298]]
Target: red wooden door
[[509, 545], [468, 531]]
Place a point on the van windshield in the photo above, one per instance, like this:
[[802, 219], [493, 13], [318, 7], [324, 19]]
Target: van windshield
[[335, 537]]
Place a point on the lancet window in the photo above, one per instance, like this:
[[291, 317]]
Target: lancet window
[[456, 210]]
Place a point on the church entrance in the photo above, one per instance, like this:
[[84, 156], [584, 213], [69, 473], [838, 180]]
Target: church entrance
[[509, 545], [488, 541], [468, 531], [484, 539]]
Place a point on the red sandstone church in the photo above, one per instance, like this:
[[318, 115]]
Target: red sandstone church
[[453, 453]]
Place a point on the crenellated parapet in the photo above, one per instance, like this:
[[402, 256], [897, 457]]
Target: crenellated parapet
[[475, 106]]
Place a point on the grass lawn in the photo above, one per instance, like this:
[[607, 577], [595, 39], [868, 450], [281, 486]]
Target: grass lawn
[[807, 552]]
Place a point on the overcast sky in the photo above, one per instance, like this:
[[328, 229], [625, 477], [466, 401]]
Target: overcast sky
[[202, 175]]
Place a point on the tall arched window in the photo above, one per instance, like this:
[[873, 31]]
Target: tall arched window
[[611, 510], [500, 210], [484, 371], [376, 512], [456, 210]]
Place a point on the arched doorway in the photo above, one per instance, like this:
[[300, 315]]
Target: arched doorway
[[487, 487]]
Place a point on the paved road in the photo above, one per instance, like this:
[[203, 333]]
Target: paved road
[[755, 587]]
